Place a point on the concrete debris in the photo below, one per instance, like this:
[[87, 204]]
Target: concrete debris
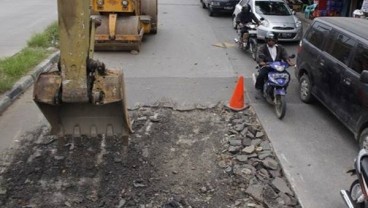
[[282, 186], [256, 163], [176, 160]]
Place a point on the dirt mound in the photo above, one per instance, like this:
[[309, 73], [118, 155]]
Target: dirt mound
[[198, 158]]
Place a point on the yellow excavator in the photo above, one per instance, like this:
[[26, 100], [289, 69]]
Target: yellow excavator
[[82, 96], [123, 23]]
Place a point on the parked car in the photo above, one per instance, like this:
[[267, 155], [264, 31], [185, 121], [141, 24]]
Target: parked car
[[219, 6], [278, 18], [332, 66]]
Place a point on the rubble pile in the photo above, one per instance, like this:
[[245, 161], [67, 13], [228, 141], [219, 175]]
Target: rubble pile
[[199, 157], [249, 157]]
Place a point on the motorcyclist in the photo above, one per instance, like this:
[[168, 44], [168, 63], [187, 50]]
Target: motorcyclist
[[270, 52], [244, 17]]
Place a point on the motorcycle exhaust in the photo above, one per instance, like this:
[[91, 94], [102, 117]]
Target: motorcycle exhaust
[[346, 198], [254, 78]]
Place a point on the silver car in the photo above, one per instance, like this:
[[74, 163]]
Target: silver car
[[278, 18]]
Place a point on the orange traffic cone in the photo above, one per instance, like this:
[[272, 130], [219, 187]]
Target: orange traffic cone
[[237, 100]]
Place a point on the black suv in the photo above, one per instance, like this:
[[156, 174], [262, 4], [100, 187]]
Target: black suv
[[219, 6], [332, 66]]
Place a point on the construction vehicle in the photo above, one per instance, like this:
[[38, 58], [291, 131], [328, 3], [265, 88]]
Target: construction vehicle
[[123, 23], [81, 96]]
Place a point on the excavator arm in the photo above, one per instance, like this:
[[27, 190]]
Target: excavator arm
[[82, 96]]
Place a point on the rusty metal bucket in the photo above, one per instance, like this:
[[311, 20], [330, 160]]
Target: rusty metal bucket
[[109, 117], [81, 97]]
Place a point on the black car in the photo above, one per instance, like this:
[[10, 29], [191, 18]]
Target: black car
[[219, 6], [332, 66]]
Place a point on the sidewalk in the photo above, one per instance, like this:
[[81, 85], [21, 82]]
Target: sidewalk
[[25, 82]]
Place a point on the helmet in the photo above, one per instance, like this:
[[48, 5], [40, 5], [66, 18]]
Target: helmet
[[271, 36], [245, 8], [358, 13]]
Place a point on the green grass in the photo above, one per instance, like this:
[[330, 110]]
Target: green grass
[[14, 67]]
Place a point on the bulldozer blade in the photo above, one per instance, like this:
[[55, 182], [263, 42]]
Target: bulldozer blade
[[127, 34], [88, 119]]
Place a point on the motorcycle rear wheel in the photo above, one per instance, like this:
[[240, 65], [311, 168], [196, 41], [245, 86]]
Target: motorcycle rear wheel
[[280, 106], [354, 192], [253, 48]]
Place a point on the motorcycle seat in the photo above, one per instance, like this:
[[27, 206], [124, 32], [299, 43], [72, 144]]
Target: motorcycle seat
[[364, 167]]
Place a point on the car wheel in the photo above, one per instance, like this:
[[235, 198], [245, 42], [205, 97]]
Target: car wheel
[[235, 26], [210, 12], [305, 87], [203, 5], [363, 139]]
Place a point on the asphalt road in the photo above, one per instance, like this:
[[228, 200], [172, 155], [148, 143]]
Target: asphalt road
[[182, 65], [21, 19]]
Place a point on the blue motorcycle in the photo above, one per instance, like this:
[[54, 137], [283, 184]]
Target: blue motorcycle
[[275, 85]]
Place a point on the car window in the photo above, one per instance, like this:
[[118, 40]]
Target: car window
[[317, 34], [341, 47], [272, 8], [360, 61]]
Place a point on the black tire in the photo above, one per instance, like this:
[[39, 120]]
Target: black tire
[[150, 7], [253, 47], [154, 31], [203, 5], [280, 106], [363, 139], [354, 188], [210, 12], [305, 87]]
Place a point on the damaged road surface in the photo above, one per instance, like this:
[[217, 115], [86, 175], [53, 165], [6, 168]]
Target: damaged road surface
[[198, 158]]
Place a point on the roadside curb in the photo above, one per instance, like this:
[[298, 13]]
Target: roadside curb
[[25, 82]]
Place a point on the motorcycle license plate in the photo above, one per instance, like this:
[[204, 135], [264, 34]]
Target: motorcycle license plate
[[252, 32], [280, 91], [286, 35]]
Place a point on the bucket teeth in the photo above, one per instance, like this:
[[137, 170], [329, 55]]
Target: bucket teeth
[[109, 131], [93, 131], [77, 131], [87, 119]]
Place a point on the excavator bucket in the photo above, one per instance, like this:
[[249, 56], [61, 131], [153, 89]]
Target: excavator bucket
[[83, 118], [81, 97]]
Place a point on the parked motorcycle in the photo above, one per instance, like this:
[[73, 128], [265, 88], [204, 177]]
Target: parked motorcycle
[[357, 196], [249, 40], [275, 85]]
